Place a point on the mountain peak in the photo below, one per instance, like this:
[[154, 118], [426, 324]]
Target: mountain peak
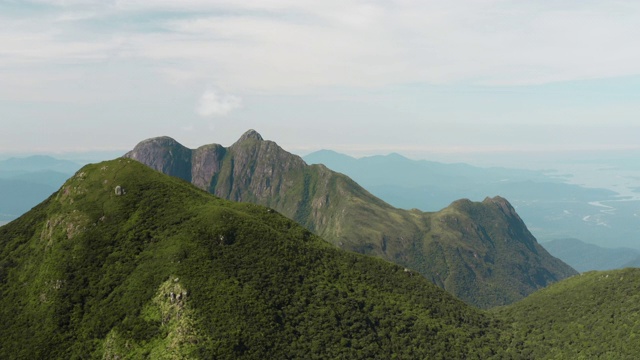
[[503, 204], [251, 135], [160, 140]]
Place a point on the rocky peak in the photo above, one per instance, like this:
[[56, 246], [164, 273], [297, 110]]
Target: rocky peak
[[504, 205], [164, 154], [250, 135], [162, 141]]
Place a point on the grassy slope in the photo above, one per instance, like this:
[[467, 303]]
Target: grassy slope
[[88, 273]]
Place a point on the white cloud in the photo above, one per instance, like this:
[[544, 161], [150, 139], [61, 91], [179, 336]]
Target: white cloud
[[216, 103]]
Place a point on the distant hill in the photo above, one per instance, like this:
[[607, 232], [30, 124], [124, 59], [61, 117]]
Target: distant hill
[[590, 316], [126, 263], [551, 208], [36, 163], [437, 184], [585, 257], [17, 197], [25, 182], [633, 263], [480, 252]]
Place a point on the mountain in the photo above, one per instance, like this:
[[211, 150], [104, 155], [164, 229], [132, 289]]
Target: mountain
[[25, 182], [37, 163], [125, 263], [585, 257], [480, 252], [17, 197], [422, 184], [590, 316], [633, 263], [551, 208]]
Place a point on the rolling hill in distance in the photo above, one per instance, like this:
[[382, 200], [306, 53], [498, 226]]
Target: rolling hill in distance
[[585, 257], [481, 252], [557, 213], [25, 182], [125, 262]]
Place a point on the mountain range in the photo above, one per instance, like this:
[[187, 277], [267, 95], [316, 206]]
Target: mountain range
[[123, 262], [551, 207], [481, 252], [25, 182], [585, 257]]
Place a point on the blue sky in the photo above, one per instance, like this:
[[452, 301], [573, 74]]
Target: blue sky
[[361, 77]]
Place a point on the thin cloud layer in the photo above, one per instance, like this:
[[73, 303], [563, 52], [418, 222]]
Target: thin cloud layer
[[443, 73], [268, 45]]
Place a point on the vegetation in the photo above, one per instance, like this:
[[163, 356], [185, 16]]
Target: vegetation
[[165, 270], [595, 315], [162, 270]]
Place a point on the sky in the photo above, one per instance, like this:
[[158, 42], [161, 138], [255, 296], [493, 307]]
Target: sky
[[422, 78]]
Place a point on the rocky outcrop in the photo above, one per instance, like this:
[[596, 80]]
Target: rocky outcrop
[[165, 155]]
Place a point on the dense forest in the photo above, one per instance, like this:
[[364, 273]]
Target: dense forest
[[125, 262]]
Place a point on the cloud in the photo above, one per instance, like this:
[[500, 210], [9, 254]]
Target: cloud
[[496, 42], [216, 103], [298, 44]]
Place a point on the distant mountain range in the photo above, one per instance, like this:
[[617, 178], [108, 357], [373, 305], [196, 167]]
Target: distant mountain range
[[480, 252], [123, 262], [585, 257], [25, 182], [426, 185], [551, 208]]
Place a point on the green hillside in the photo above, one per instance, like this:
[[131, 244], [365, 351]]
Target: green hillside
[[125, 263], [481, 252], [595, 315]]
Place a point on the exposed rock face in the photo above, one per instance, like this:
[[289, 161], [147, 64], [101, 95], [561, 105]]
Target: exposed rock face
[[251, 170], [481, 252], [165, 155]]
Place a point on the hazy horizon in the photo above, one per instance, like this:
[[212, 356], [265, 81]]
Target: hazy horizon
[[615, 170], [393, 76]]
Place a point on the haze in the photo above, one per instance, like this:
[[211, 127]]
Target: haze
[[420, 78]]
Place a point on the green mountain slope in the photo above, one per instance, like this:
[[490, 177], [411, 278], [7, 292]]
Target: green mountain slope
[[480, 252], [125, 262], [595, 315]]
